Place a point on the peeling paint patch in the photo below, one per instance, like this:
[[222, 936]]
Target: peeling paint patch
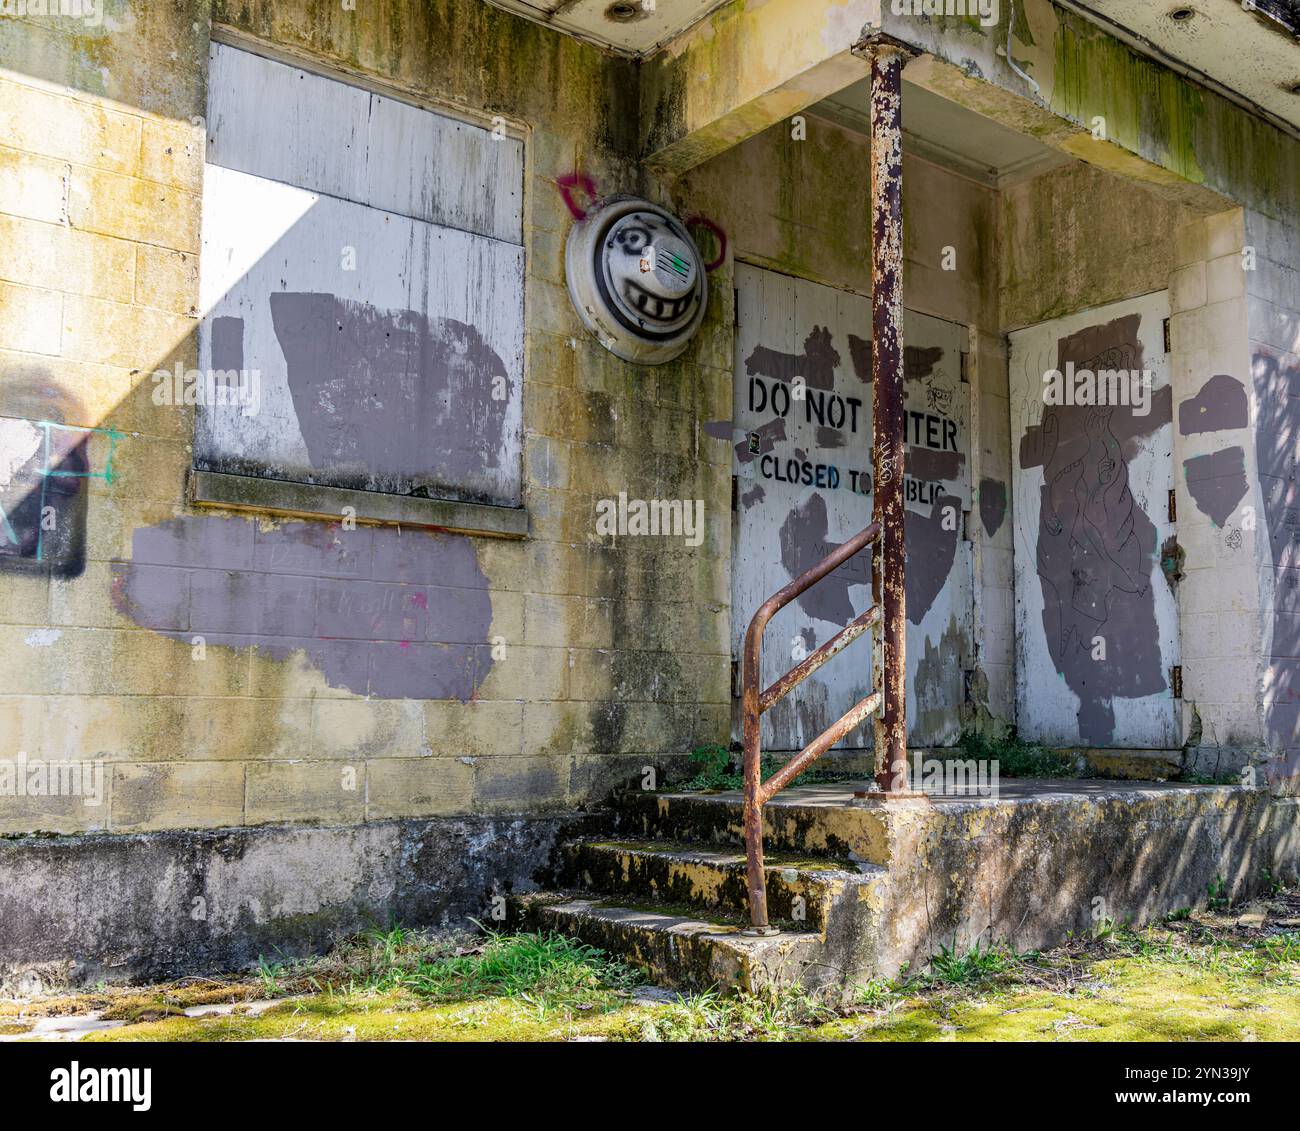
[[1217, 482], [1220, 405], [930, 552], [1095, 545], [803, 541], [42, 637], [816, 365], [931, 463], [993, 505], [860, 354], [379, 611], [379, 393]]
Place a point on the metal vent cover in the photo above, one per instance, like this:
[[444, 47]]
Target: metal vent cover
[[636, 279]]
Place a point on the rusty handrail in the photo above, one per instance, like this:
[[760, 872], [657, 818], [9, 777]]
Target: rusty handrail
[[754, 705]]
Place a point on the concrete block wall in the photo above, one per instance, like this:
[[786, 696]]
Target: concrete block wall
[[600, 656], [1273, 328], [1219, 597]]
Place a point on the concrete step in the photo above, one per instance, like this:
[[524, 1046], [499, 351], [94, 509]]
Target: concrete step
[[814, 821], [801, 892], [679, 950]]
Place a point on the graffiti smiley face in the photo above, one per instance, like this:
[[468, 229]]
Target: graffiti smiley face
[[653, 271]]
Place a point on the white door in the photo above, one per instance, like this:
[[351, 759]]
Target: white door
[[802, 432], [1096, 620]]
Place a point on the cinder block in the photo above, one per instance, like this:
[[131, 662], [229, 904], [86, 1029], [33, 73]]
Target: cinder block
[[60, 258], [177, 795], [550, 359], [353, 729], [418, 787], [552, 621], [22, 725], [1190, 242], [90, 661], [291, 792], [24, 599], [1187, 287], [1224, 278], [60, 796], [53, 125], [1224, 233], [133, 209], [484, 727], [520, 784], [31, 320], [35, 188], [166, 728], [167, 279], [114, 333], [171, 152]]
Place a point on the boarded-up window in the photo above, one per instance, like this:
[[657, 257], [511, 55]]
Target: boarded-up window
[[362, 270]]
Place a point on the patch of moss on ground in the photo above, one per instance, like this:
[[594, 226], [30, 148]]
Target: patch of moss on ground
[[396, 1017], [1220, 975], [1135, 1000]]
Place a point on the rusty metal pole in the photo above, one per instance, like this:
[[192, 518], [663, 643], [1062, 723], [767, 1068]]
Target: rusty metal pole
[[753, 771], [887, 411]]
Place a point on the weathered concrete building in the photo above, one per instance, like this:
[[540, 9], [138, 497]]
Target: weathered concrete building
[[329, 589]]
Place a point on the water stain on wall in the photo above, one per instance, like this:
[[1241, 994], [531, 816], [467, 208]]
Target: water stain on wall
[[1095, 545], [379, 611]]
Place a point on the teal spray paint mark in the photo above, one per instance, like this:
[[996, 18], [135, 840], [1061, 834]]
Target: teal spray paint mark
[[48, 472]]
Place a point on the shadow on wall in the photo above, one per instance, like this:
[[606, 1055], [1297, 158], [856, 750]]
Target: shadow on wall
[[44, 465]]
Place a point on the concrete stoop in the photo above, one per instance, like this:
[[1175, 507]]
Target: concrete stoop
[[859, 889]]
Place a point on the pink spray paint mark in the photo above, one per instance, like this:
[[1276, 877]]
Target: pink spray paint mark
[[715, 229], [420, 600], [567, 183]]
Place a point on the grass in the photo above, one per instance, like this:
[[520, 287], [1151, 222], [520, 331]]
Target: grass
[[1198, 975], [1015, 757], [772, 1016], [714, 771]]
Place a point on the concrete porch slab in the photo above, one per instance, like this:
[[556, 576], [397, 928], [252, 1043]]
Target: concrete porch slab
[[1040, 861]]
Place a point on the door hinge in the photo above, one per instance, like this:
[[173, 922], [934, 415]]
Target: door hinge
[[736, 689], [1176, 680], [735, 306], [1168, 347], [1173, 505], [965, 367]]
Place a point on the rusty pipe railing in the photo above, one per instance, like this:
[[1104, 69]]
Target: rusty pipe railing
[[755, 704]]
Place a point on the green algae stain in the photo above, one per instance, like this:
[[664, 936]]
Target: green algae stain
[[1130, 1000]]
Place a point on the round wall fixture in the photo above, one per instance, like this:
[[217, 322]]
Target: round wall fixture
[[637, 279]]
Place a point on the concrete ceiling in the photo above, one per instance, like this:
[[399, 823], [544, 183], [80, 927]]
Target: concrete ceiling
[[1255, 53], [633, 27], [947, 134]]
